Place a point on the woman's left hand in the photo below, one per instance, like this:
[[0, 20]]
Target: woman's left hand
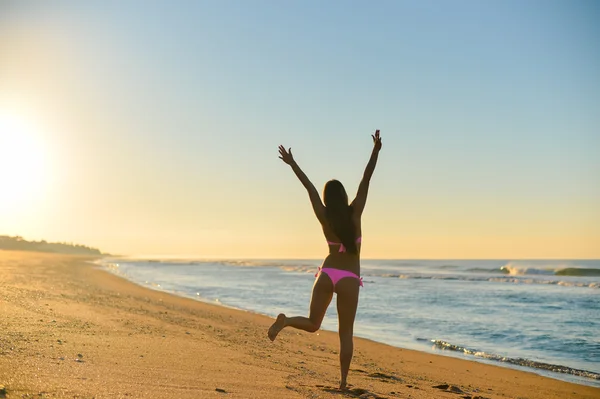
[[376, 140], [286, 156]]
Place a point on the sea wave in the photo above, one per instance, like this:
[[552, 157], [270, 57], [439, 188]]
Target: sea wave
[[402, 268], [526, 275], [512, 280], [299, 269], [575, 271], [526, 269], [445, 270], [439, 344], [286, 265], [522, 269], [243, 263], [485, 270], [514, 272]]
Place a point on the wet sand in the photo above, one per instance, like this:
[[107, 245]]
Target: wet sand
[[70, 330]]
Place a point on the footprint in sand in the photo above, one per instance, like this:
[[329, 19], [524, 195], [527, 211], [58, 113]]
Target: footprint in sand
[[454, 389], [364, 394], [385, 377]]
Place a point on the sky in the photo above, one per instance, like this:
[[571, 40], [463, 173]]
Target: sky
[[152, 127]]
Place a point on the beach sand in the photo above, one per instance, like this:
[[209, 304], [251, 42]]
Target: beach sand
[[71, 330]]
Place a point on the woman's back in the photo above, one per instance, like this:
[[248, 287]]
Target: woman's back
[[339, 257]]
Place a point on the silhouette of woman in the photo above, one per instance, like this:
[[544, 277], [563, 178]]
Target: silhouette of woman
[[340, 272]]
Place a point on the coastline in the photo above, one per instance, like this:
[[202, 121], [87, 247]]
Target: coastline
[[135, 342], [245, 294]]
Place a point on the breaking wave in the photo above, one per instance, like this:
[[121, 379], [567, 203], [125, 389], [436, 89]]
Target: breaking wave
[[518, 269], [516, 360], [526, 269]]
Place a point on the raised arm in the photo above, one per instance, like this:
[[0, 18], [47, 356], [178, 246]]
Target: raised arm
[[363, 189], [313, 194]]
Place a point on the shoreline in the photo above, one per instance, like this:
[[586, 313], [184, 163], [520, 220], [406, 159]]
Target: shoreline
[[437, 347], [139, 342]]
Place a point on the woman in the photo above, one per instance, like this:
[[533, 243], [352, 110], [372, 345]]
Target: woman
[[340, 272]]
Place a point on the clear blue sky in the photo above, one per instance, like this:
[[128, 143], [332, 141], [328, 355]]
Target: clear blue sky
[[163, 120]]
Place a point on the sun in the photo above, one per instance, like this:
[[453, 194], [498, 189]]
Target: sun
[[24, 169]]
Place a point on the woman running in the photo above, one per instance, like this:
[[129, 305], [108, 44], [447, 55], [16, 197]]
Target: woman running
[[340, 272]]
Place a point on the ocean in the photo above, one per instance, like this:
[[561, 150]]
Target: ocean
[[540, 316]]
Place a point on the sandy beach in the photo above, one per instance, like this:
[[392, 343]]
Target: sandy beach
[[71, 330]]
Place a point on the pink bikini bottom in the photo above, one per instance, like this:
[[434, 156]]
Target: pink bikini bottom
[[336, 275]]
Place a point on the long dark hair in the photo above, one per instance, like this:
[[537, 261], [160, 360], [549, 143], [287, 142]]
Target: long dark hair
[[339, 214]]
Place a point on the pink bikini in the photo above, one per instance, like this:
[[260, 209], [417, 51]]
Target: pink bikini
[[336, 274], [342, 247]]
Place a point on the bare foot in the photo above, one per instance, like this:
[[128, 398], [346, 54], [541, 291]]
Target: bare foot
[[277, 327], [343, 386]]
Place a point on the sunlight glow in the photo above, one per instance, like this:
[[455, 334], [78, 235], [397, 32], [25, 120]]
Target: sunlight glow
[[24, 169]]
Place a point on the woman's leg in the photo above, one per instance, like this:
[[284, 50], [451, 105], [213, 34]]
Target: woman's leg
[[347, 301], [321, 298]]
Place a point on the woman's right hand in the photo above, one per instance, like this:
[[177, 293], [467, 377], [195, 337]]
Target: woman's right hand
[[286, 156], [376, 141]]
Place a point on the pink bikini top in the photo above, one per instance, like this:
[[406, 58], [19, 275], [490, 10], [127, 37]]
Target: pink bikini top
[[342, 247]]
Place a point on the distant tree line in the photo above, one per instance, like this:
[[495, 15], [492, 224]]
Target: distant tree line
[[18, 243]]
